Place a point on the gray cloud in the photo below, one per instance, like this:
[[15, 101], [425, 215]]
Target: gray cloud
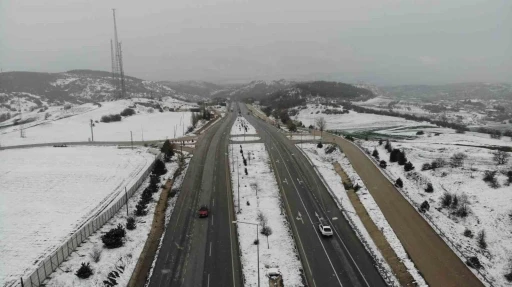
[[382, 41]]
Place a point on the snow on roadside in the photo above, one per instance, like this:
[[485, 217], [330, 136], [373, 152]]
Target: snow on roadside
[[259, 193], [170, 207], [242, 126], [47, 193], [488, 208], [324, 164], [126, 256], [144, 125], [245, 138]]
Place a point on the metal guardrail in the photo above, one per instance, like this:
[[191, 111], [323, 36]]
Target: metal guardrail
[[52, 262]]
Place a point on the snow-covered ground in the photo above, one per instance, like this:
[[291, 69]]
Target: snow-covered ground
[[147, 124], [126, 256], [170, 207], [324, 164], [352, 121], [245, 138], [242, 126], [489, 208], [442, 136], [46, 193], [259, 194], [305, 137]]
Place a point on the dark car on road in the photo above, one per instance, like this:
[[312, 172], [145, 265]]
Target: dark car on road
[[203, 211]]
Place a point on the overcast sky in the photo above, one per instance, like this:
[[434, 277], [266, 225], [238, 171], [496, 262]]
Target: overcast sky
[[385, 42]]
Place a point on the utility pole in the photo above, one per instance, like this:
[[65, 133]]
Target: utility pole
[[257, 245], [92, 134], [131, 138], [258, 250], [238, 181], [22, 132], [232, 158]]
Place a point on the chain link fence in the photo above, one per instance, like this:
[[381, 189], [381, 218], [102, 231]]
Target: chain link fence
[[52, 262]]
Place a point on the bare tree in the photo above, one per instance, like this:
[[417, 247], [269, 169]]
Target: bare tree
[[267, 231], [320, 124], [262, 219], [501, 157]]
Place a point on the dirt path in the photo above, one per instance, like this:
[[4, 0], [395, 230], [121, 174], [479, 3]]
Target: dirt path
[[439, 265], [141, 271], [399, 269]]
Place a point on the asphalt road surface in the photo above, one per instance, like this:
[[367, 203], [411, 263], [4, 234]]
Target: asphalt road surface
[[340, 260], [439, 265], [202, 251]]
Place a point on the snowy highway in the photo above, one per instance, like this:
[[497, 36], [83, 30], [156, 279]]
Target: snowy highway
[[338, 261]]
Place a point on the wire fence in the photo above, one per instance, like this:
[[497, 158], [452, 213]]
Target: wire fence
[[454, 246], [52, 262]]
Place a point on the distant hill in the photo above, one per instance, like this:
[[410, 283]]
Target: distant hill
[[193, 88], [76, 86], [459, 91], [301, 93], [255, 89]]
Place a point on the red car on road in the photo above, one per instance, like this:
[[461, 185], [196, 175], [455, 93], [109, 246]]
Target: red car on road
[[203, 211]]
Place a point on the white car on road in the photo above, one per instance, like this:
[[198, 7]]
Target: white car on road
[[326, 230]]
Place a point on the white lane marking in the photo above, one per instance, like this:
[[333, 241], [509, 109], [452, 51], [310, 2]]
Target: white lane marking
[[212, 219], [214, 202], [299, 217], [210, 249], [208, 280], [313, 225], [285, 181], [293, 223], [335, 231]]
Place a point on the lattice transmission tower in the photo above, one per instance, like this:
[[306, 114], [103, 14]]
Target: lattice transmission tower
[[117, 64]]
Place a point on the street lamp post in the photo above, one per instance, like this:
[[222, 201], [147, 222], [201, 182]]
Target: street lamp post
[[238, 181], [232, 159], [257, 245]]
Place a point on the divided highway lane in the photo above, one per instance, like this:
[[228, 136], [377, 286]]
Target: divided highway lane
[[198, 252], [338, 261]]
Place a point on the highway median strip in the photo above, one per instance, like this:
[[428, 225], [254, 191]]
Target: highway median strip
[[260, 218]]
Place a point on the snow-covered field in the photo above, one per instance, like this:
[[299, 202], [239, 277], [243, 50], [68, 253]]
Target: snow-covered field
[[46, 193], [488, 208], [463, 115], [126, 256], [259, 194], [352, 121], [242, 126], [324, 164], [441, 136], [147, 124]]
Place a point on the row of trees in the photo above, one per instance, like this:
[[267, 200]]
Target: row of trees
[[115, 237], [203, 114]]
